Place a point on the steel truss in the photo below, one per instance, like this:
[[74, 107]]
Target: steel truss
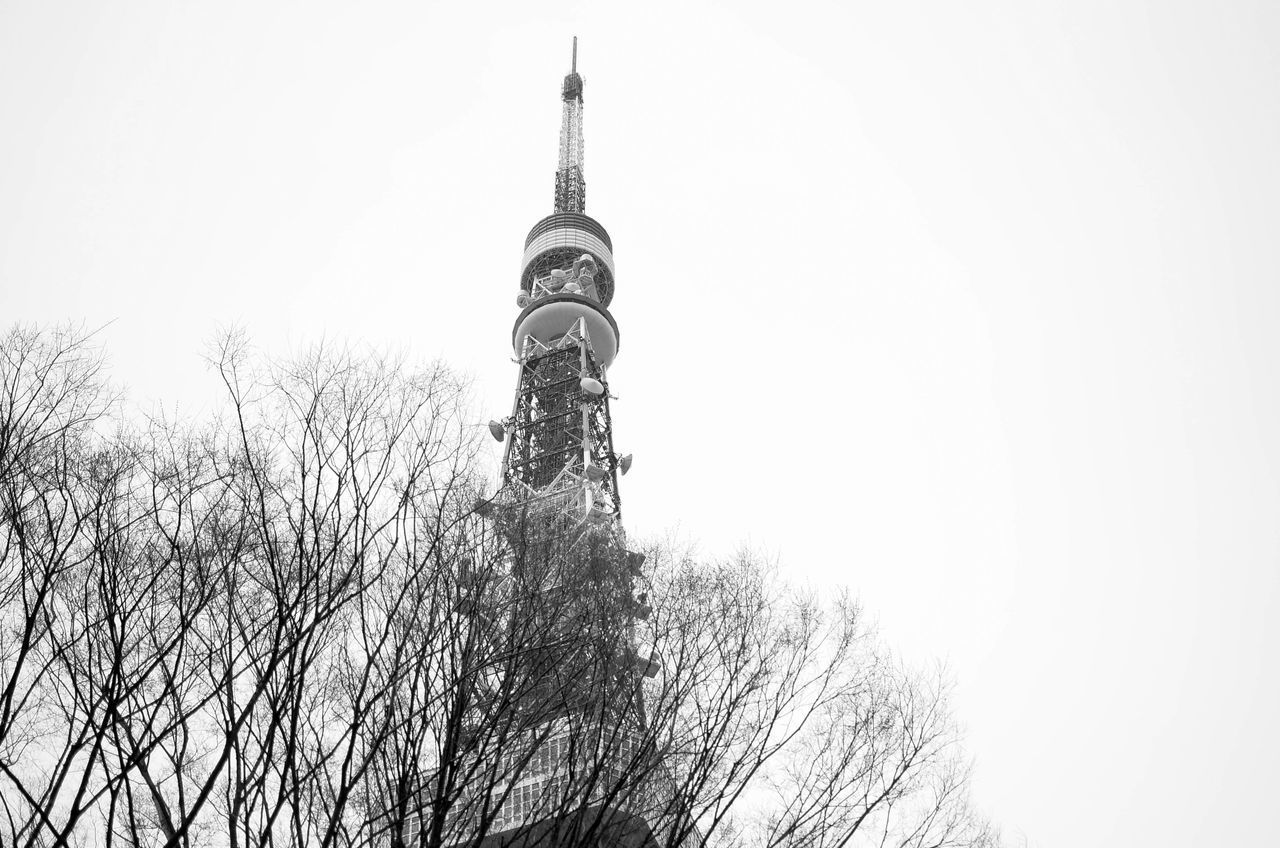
[[561, 434]]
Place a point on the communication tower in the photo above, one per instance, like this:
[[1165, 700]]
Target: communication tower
[[574, 624]]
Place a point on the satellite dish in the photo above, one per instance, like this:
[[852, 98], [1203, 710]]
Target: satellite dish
[[595, 473], [592, 386], [624, 464], [522, 299], [651, 665], [497, 430], [573, 288], [584, 265]]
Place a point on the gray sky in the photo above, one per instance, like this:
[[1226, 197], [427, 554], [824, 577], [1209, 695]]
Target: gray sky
[[971, 307]]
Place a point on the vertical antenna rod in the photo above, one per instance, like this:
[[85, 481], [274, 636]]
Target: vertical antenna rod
[[571, 186]]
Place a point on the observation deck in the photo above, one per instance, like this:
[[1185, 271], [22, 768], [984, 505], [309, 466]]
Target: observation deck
[[567, 274], [550, 316]]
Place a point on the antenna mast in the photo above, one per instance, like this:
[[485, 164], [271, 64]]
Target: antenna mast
[[571, 186]]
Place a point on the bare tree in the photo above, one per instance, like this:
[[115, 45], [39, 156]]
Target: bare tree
[[306, 623], [52, 395]]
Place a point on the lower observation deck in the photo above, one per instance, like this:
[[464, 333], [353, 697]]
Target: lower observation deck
[[549, 317]]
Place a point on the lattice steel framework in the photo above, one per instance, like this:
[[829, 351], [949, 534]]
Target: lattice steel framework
[[571, 187], [561, 433]]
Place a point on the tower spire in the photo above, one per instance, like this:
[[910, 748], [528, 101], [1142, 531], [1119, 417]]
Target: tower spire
[[571, 186]]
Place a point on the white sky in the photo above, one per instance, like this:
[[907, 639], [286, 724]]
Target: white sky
[[969, 306]]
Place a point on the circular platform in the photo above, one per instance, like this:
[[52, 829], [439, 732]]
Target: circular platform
[[548, 318]]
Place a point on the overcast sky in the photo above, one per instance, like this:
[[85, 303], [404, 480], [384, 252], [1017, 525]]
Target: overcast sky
[[971, 307]]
